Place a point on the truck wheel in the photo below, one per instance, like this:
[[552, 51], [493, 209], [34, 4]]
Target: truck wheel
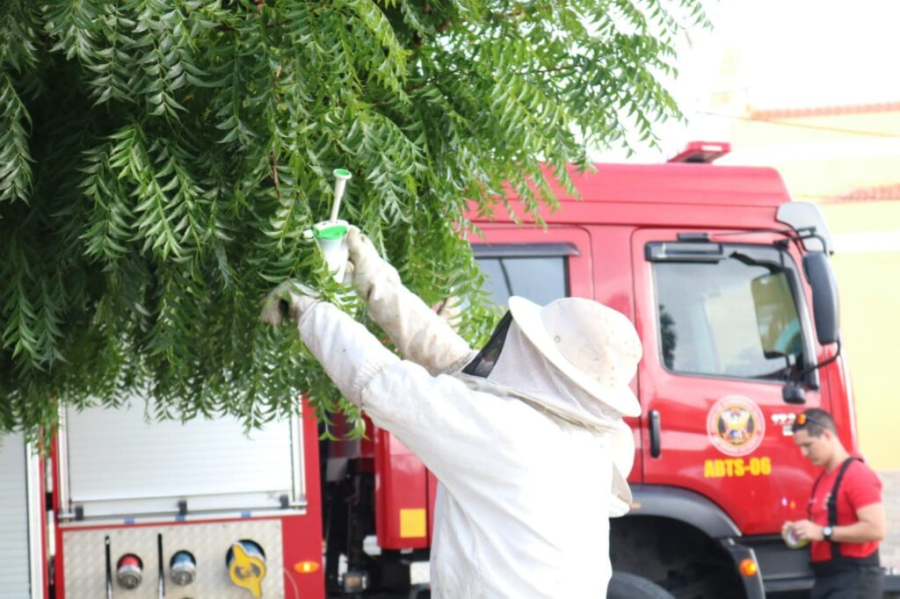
[[629, 586]]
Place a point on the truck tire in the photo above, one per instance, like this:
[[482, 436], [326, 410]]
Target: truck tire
[[629, 586]]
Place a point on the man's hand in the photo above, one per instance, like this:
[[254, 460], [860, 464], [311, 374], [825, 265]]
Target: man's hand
[[807, 531], [289, 300]]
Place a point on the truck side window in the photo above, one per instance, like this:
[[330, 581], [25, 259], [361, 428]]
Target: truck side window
[[540, 279], [735, 317]]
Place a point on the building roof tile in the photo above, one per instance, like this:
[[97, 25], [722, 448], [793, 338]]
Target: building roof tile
[[799, 113], [867, 194]]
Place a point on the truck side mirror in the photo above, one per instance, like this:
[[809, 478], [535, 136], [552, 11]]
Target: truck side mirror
[[821, 278]]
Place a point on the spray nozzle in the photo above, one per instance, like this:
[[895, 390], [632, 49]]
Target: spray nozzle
[[330, 233], [341, 176]]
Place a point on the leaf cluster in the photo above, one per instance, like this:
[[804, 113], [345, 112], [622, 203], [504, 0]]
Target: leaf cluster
[[160, 160]]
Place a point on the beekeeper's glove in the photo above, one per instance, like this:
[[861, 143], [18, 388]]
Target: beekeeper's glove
[[368, 266], [289, 300], [421, 335]]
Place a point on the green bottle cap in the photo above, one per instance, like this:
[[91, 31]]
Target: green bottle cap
[[335, 231]]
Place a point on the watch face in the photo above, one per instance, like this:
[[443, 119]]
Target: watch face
[[827, 532]]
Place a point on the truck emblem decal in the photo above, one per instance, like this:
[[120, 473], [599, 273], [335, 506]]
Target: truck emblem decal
[[736, 425]]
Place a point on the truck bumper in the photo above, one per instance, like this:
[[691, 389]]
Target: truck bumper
[[783, 570]]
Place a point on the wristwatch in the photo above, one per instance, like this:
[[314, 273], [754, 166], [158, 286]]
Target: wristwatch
[[827, 531]]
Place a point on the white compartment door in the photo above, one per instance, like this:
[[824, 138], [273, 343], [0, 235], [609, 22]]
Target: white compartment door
[[120, 465], [20, 547]]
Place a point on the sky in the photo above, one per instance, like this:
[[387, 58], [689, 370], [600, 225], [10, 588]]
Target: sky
[[783, 54]]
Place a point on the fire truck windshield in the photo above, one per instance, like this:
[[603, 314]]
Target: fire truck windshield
[[734, 317]]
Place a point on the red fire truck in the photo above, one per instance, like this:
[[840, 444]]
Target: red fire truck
[[728, 283]]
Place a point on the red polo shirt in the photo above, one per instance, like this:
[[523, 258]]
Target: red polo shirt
[[859, 487]]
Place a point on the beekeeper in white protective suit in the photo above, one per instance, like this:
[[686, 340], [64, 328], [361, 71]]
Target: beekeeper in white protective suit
[[526, 436]]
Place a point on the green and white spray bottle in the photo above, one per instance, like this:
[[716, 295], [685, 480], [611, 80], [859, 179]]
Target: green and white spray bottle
[[331, 234]]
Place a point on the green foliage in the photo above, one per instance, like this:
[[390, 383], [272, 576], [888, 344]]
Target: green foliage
[[160, 159]]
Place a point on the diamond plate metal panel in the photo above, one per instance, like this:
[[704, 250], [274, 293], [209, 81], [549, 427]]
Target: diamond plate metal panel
[[85, 559]]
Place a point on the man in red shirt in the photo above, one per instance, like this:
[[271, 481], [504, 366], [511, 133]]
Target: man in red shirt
[[846, 514]]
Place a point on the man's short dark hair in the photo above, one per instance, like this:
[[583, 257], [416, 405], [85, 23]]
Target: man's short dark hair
[[814, 421]]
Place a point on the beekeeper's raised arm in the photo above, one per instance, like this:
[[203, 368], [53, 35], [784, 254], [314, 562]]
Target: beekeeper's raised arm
[[420, 334]]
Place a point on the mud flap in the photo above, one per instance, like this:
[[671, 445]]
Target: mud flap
[[753, 584]]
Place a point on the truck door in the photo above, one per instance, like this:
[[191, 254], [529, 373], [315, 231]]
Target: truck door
[[725, 326]]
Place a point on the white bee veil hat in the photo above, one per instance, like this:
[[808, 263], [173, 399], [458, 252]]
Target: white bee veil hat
[[592, 345]]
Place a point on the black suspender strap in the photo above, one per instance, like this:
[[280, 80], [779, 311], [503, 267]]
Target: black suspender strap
[[832, 504], [838, 562]]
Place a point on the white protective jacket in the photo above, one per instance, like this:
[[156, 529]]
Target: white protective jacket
[[524, 496]]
